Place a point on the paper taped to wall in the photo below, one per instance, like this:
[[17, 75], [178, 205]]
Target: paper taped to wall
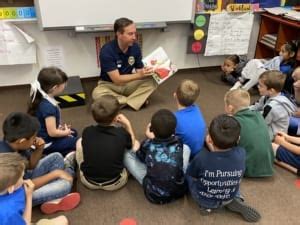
[[16, 47]]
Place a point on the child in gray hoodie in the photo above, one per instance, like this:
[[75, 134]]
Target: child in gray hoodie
[[276, 108]]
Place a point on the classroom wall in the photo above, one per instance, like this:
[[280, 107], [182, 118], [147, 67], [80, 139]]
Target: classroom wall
[[80, 53]]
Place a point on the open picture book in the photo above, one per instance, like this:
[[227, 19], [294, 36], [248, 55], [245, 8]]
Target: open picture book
[[162, 65]]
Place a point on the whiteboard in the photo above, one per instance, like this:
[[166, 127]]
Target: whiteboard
[[72, 13]]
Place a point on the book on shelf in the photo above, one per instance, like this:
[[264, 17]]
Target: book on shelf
[[267, 44], [272, 37], [162, 65], [268, 40]]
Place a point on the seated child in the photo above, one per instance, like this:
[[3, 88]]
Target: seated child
[[294, 123], [287, 152], [52, 175], [158, 164], [276, 108], [191, 127], [214, 175], [16, 193], [232, 68], [254, 137], [254, 68], [101, 150], [59, 137]]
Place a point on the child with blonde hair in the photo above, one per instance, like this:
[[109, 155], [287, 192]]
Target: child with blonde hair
[[16, 193], [254, 137], [191, 126]]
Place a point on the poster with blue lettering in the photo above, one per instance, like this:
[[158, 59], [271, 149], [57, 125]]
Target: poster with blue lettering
[[262, 3]]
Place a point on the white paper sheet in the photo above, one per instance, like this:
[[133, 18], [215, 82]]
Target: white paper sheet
[[54, 56], [16, 47], [229, 34]]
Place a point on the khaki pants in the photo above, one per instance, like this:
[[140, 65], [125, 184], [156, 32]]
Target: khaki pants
[[108, 185], [133, 93]]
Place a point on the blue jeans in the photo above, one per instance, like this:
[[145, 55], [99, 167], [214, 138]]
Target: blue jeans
[[207, 204], [138, 169], [55, 189]]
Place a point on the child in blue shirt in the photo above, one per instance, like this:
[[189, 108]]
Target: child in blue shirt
[[191, 127], [59, 137], [52, 175], [214, 175], [285, 63], [16, 193]]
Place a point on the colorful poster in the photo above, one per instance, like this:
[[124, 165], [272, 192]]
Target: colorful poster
[[208, 6], [197, 42], [262, 3]]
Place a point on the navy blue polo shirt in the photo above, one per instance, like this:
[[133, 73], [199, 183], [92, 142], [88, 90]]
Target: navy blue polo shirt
[[112, 58]]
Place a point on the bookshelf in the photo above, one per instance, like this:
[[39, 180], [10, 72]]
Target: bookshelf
[[273, 33]]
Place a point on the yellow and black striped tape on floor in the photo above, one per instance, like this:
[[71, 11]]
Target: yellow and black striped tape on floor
[[71, 100]]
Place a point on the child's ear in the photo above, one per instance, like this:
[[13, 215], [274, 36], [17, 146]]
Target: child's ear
[[231, 109], [292, 54], [208, 139], [174, 95], [11, 189]]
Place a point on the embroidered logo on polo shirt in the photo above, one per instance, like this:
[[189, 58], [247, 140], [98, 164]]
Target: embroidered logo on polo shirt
[[131, 60]]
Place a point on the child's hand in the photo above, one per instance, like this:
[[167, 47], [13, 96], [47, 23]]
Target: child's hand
[[136, 146], [282, 134], [64, 175], [29, 187], [149, 134], [67, 129], [279, 139], [39, 143], [122, 119]]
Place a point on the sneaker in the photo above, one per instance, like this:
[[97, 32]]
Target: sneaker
[[66, 203], [205, 211], [249, 213], [70, 160]]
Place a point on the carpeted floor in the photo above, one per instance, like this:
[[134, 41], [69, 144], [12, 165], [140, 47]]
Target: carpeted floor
[[275, 198]]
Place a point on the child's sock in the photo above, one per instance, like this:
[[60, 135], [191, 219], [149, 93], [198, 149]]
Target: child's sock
[[249, 213], [70, 160]]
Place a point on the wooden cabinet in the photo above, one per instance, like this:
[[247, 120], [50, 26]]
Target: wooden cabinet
[[274, 32]]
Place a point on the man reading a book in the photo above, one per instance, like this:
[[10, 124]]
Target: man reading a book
[[123, 74]]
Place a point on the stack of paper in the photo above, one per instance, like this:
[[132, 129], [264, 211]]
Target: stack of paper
[[293, 15], [269, 40], [278, 10]]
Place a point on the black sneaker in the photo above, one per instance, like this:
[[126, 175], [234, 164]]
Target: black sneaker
[[249, 213]]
